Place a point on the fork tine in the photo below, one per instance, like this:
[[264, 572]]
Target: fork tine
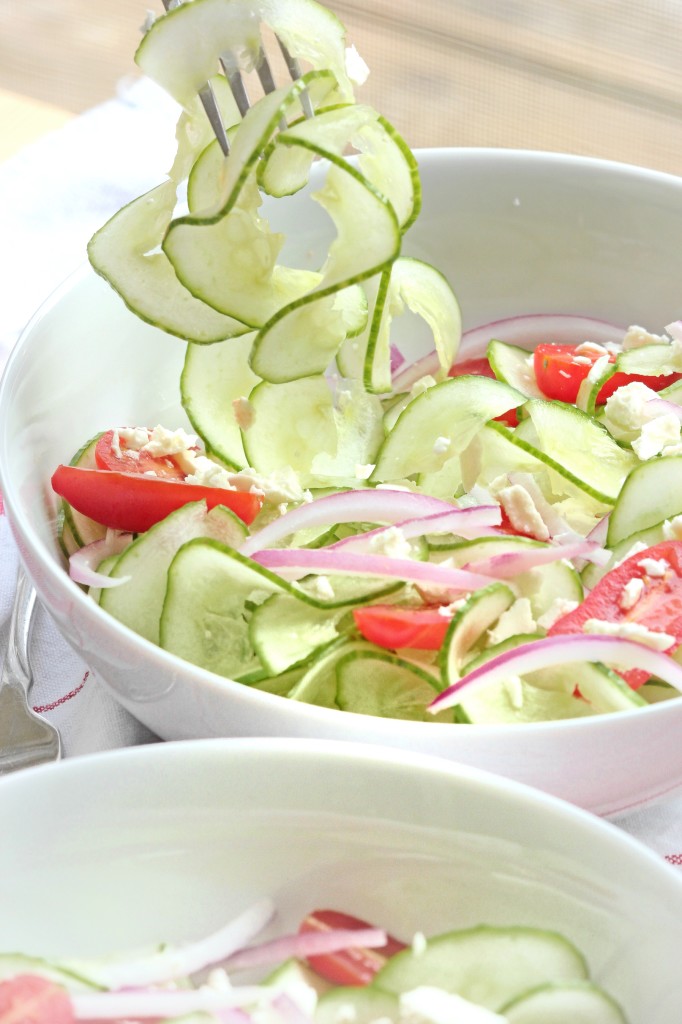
[[294, 69], [230, 66]]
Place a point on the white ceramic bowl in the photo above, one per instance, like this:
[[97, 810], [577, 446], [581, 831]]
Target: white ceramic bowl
[[515, 232], [123, 849]]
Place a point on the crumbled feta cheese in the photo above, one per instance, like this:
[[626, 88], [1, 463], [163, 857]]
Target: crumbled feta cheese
[[559, 607], [364, 472], [591, 348], [391, 542], [656, 435], [429, 1005], [441, 445], [672, 528], [356, 68], [168, 442], [207, 473], [134, 438], [283, 485], [582, 361], [320, 586], [522, 512], [654, 567], [630, 631], [626, 410], [638, 337], [419, 943], [631, 593], [448, 610], [244, 413], [219, 980], [516, 619]]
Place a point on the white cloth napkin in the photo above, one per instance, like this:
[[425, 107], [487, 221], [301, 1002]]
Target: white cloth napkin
[[53, 196]]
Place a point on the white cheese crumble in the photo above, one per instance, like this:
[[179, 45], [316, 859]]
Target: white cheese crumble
[[631, 593], [364, 472], [672, 528], [419, 943], [429, 1005], [320, 586], [656, 435], [626, 410], [281, 486], [169, 442], [638, 337], [441, 445], [630, 631], [134, 438], [244, 413], [559, 607], [391, 542], [516, 619], [522, 512]]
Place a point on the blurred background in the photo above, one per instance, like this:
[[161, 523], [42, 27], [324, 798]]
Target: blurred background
[[595, 77]]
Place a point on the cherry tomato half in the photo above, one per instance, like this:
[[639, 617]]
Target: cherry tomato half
[[480, 367], [392, 627], [659, 606], [121, 459], [134, 503], [356, 966], [560, 370]]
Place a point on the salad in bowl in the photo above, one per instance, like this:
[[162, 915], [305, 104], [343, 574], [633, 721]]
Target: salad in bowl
[[392, 449]]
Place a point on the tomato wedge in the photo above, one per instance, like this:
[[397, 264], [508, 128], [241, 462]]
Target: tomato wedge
[[30, 999], [121, 459], [388, 626], [658, 606], [561, 369], [480, 367], [356, 966], [134, 503]]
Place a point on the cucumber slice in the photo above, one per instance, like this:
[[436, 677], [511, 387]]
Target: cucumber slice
[[205, 614], [12, 964], [138, 602], [359, 1004], [514, 366], [182, 48], [564, 1004], [648, 360], [486, 965], [324, 442], [384, 685], [454, 410], [651, 493], [75, 530], [318, 685], [286, 631], [292, 974], [584, 448], [125, 253], [423, 290], [469, 624], [213, 378]]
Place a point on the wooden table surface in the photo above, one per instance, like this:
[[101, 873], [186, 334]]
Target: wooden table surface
[[570, 75]]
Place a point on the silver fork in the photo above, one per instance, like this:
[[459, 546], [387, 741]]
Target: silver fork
[[26, 739], [231, 69]]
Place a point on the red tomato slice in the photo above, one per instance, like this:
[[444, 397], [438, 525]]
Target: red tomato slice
[[130, 461], [388, 626], [29, 999], [480, 367], [658, 608], [356, 966], [133, 503], [559, 376]]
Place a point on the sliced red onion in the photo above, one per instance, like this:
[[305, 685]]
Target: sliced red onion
[[366, 504], [561, 650], [510, 563], [599, 533], [473, 521], [152, 1004], [83, 563], [297, 562], [181, 961], [397, 358], [305, 944], [526, 331], [661, 407]]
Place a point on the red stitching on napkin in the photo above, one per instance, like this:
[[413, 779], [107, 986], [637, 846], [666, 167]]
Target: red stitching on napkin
[[2, 507], [674, 858], [62, 700]]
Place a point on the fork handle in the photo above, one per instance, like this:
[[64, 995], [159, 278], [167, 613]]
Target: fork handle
[[20, 629]]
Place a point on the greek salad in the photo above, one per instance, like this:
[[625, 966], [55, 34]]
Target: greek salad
[[335, 969], [489, 533]]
